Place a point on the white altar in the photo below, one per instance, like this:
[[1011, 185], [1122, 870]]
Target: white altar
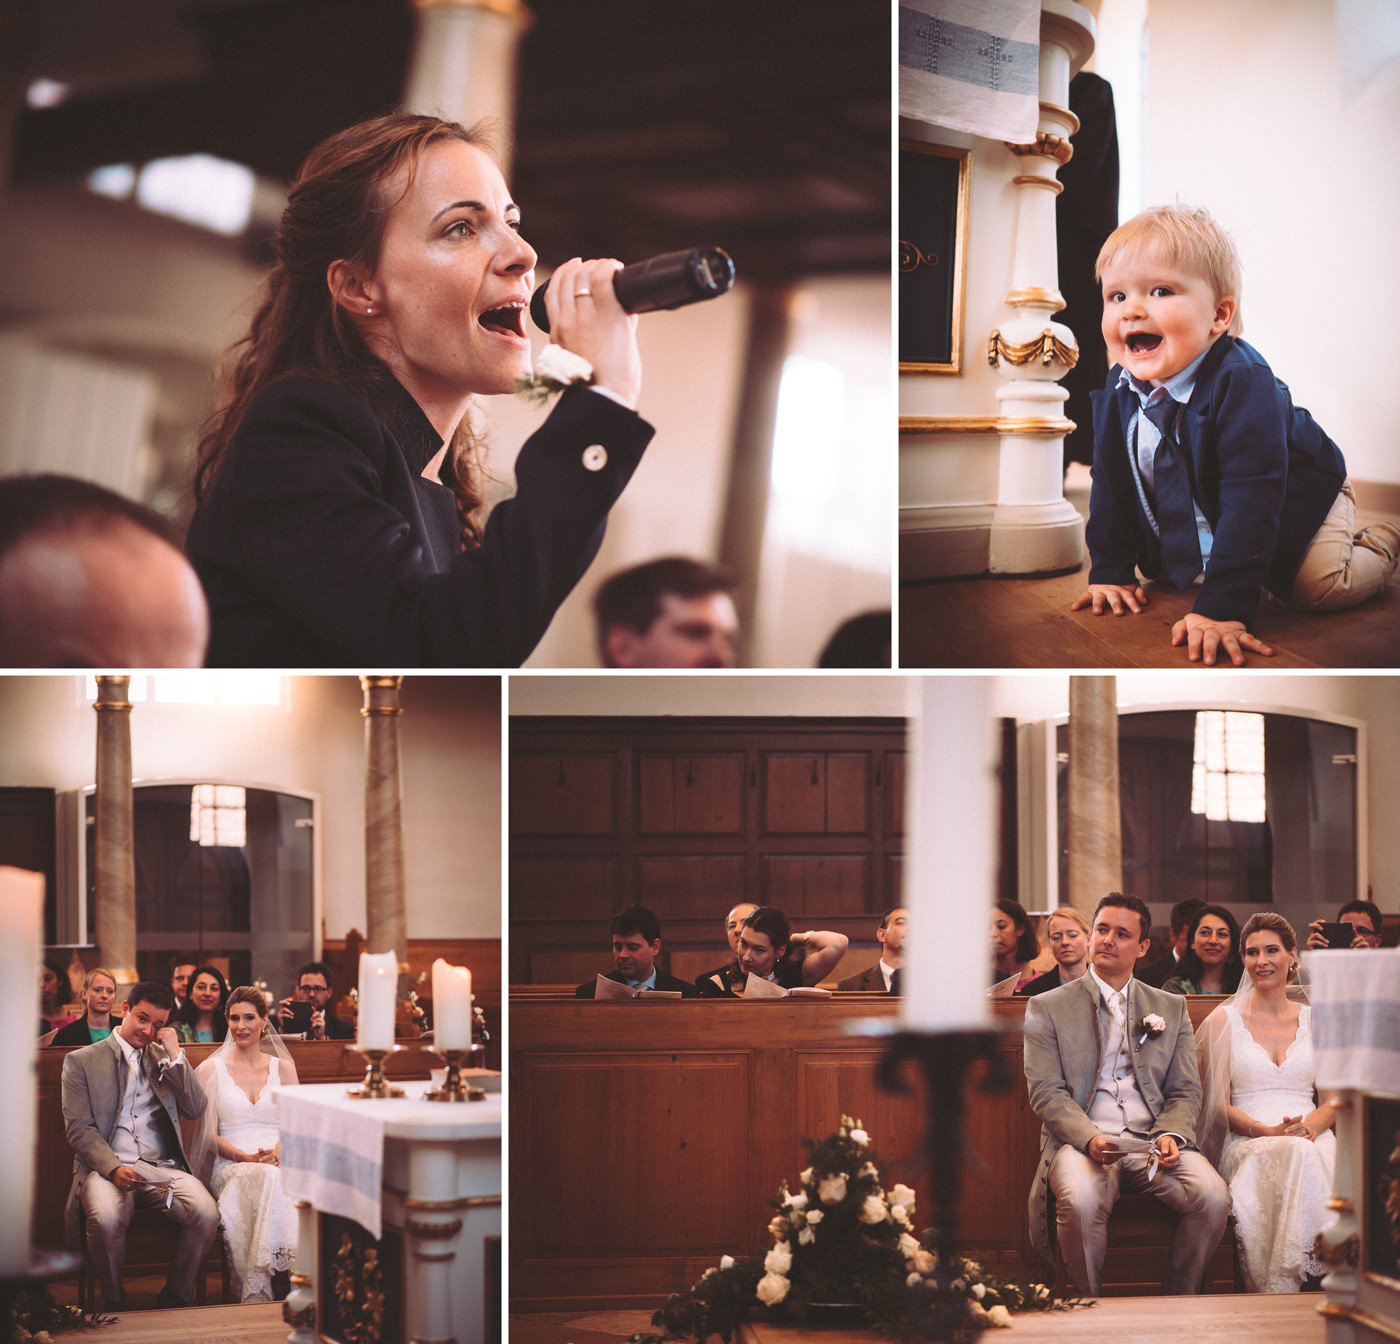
[[1356, 1016], [400, 1203]]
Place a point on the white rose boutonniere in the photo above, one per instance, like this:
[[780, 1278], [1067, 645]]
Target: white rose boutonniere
[[555, 369], [1149, 1028]]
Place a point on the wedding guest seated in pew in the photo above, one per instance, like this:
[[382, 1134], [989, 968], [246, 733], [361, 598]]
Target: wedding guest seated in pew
[[201, 1017], [182, 966], [768, 948], [315, 986], [122, 1102], [1157, 972], [97, 1022], [239, 1148], [1111, 1073], [1262, 1122], [733, 924], [880, 978], [1014, 947], [636, 943], [1211, 963], [53, 998], [1067, 932], [1365, 920]]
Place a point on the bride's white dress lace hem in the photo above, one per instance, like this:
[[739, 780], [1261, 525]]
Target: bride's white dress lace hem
[[1279, 1186], [259, 1221]]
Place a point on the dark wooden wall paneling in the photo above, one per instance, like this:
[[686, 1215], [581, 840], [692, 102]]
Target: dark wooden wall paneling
[[690, 816]]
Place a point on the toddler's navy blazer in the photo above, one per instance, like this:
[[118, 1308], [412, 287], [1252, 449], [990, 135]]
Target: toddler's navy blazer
[[1262, 472]]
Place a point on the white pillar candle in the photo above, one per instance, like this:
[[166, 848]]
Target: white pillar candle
[[21, 950], [952, 827], [379, 982], [452, 1006]]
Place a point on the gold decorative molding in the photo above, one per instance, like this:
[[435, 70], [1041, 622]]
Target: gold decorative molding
[[1034, 296], [507, 9], [113, 695], [305, 1319], [1035, 180], [1046, 145], [448, 1205], [1336, 1311], [433, 1231], [984, 424], [1047, 346], [1346, 1252], [1055, 110]]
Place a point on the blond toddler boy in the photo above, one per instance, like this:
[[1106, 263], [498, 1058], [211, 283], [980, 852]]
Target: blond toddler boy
[[1202, 464]]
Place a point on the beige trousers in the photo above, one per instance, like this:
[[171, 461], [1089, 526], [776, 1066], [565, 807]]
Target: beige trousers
[[1340, 569], [1086, 1192], [108, 1211]]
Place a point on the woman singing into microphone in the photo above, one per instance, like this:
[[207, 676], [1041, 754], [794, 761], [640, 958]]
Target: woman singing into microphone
[[339, 499]]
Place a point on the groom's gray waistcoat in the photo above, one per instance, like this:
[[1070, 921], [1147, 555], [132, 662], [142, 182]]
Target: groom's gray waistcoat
[[1063, 1053]]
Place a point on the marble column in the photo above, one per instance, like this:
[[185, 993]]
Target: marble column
[[464, 62], [114, 851], [1034, 528], [386, 921], [1095, 821]]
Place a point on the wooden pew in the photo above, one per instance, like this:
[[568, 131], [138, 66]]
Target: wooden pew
[[648, 1137]]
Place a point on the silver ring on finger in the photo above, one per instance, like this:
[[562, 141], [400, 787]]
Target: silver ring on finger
[[583, 293]]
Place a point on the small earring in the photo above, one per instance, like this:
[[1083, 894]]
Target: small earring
[[369, 312]]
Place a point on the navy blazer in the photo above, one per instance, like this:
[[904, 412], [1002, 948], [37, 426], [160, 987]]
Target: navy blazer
[[1262, 472], [320, 544]]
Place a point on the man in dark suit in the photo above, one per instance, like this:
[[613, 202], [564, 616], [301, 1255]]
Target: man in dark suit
[[315, 986], [1157, 973], [1111, 1066], [879, 978], [636, 942], [122, 1102]]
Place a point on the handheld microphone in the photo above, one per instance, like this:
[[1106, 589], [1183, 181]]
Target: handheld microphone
[[669, 281]]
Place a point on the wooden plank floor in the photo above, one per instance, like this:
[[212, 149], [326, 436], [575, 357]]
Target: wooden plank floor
[[1279, 1318], [1004, 622], [251, 1323]]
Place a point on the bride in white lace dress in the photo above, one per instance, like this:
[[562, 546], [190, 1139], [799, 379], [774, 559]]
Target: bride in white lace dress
[[241, 1147], [1262, 1123]]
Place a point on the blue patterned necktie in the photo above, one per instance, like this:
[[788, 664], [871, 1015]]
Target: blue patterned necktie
[[1176, 511]]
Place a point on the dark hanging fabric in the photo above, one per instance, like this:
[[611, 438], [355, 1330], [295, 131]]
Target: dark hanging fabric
[[1086, 212]]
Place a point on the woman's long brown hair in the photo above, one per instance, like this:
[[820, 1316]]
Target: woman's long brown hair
[[336, 211]]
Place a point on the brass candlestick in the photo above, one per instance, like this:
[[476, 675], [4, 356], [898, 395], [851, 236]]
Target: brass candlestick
[[454, 1087], [375, 1086]]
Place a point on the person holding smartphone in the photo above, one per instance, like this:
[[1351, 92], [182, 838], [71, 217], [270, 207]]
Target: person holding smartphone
[[315, 989], [1363, 921]]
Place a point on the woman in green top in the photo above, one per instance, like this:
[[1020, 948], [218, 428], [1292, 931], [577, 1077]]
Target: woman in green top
[[1211, 963], [201, 1016]]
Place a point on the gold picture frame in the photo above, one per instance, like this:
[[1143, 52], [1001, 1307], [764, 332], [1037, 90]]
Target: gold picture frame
[[932, 255]]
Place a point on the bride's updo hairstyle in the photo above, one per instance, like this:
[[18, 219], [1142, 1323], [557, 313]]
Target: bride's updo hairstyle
[[1274, 923], [247, 994]]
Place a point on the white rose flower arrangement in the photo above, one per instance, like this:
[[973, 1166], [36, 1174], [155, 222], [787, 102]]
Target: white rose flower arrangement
[[843, 1238], [555, 369]]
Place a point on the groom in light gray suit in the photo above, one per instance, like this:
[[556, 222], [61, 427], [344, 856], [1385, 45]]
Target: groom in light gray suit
[[122, 1102], [1104, 1075]]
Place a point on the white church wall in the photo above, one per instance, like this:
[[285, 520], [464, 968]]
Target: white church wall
[[450, 759]]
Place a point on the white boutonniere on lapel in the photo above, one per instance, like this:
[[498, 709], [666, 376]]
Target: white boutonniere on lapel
[[1148, 1028], [555, 369]]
